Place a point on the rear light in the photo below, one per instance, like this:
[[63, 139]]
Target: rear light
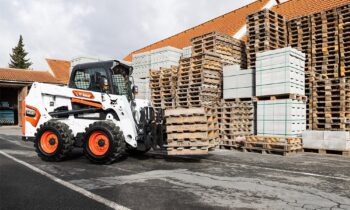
[[30, 112]]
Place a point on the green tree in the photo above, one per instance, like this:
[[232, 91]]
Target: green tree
[[18, 56]]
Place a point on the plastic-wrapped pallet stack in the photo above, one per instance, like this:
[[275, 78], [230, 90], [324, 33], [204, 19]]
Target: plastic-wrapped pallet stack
[[280, 90], [280, 102], [283, 117]]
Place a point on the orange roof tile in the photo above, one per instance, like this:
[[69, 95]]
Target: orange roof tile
[[296, 8], [229, 23], [60, 68], [21, 75]]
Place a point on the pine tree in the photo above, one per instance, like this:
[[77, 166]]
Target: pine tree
[[18, 56]]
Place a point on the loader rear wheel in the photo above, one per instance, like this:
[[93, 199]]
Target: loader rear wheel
[[104, 142], [53, 141]]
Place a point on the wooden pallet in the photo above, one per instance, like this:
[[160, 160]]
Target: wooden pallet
[[274, 139], [272, 152], [326, 152], [273, 145], [230, 50], [297, 97]]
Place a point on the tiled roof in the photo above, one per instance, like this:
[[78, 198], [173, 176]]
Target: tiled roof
[[296, 8], [60, 68], [20, 75], [229, 23]]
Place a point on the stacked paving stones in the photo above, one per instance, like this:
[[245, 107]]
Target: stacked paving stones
[[231, 50], [280, 101], [266, 31]]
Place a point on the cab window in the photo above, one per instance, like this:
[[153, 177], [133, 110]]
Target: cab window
[[84, 78]]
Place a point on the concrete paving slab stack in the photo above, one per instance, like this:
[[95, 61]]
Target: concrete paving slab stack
[[280, 87], [327, 142], [237, 83]]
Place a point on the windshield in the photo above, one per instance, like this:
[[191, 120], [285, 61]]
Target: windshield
[[121, 84]]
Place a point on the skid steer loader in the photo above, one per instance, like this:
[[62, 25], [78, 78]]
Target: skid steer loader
[[96, 111]]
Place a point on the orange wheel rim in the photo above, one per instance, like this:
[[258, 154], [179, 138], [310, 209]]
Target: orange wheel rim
[[49, 142], [98, 143]]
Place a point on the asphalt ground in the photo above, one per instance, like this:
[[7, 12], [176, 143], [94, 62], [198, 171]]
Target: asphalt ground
[[222, 180]]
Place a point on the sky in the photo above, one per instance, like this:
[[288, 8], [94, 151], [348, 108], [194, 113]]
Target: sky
[[65, 29]]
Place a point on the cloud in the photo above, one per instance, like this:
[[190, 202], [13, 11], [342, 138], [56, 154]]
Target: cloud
[[65, 29]]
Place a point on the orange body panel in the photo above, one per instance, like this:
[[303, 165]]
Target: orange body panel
[[33, 120], [83, 94], [89, 103]]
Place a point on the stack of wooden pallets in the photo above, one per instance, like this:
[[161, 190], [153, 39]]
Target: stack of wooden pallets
[[266, 31], [155, 88], [273, 145], [325, 43], [168, 77], [231, 50], [325, 39], [344, 39], [331, 104], [163, 86], [235, 121], [191, 131], [299, 37], [183, 82], [199, 80], [213, 125]]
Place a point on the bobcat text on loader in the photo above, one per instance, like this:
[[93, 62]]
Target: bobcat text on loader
[[97, 111]]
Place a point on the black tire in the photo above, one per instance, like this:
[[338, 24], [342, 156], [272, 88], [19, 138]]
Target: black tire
[[116, 142], [64, 136]]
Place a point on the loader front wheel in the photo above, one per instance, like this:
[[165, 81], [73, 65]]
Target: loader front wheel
[[104, 143], [53, 141]]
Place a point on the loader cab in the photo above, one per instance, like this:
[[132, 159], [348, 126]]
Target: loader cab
[[110, 77]]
